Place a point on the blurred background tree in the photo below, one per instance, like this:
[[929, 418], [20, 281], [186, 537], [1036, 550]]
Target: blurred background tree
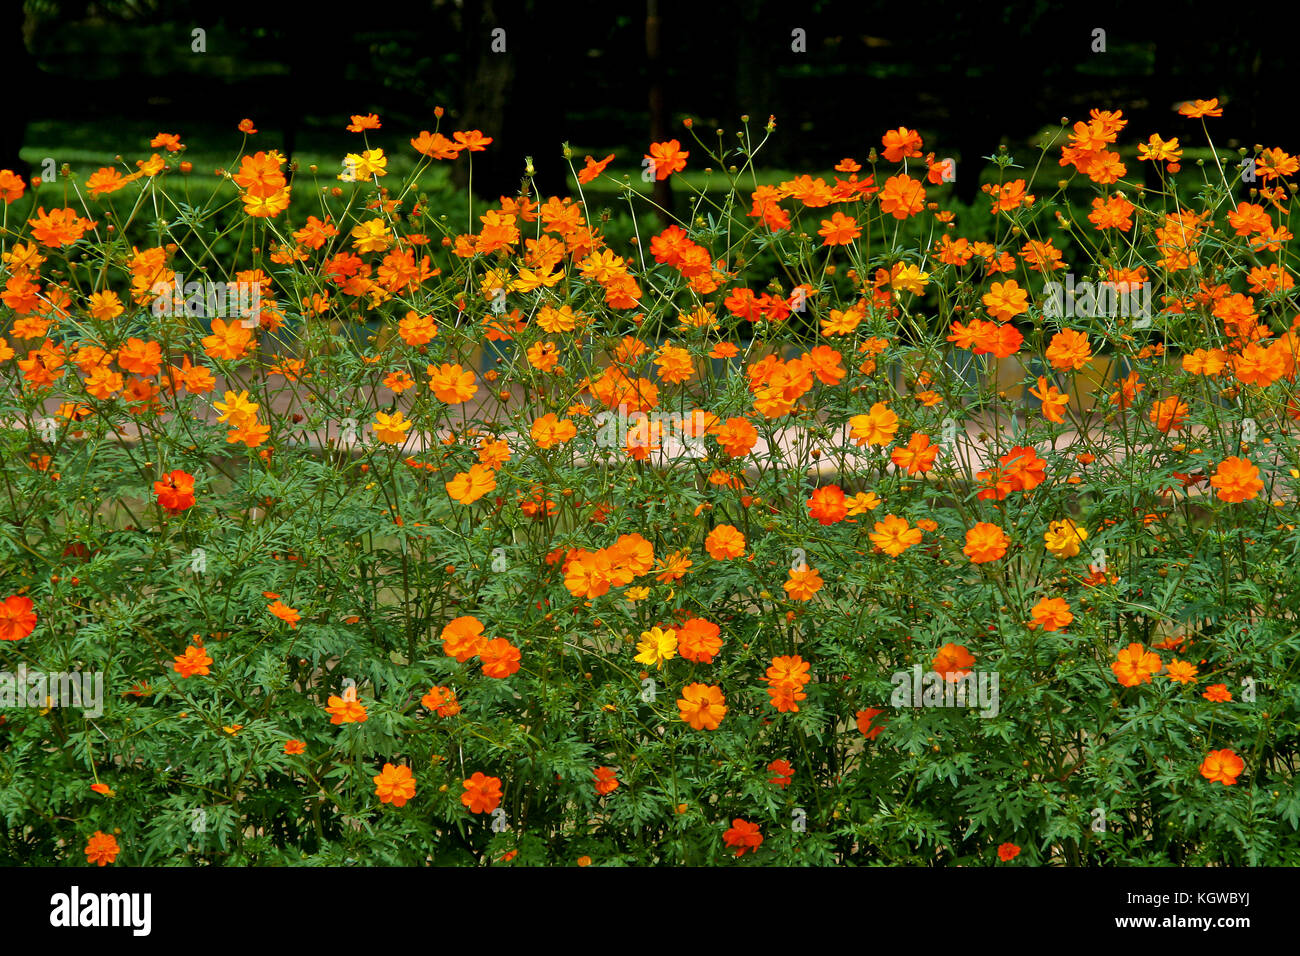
[[609, 78]]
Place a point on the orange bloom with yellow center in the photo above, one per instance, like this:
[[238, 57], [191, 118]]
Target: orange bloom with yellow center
[[394, 785], [101, 848], [195, 660], [1222, 766], [877, 427], [893, 535], [1136, 665], [985, 542], [1069, 350], [451, 384], [1236, 480], [724, 543], [482, 793], [391, 429], [827, 505], [346, 709], [462, 638], [1051, 614], [803, 584], [952, 662], [702, 706], [918, 456], [469, 486], [549, 431], [17, 618]]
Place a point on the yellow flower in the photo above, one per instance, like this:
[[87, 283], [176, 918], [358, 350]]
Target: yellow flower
[[1062, 538], [656, 646], [908, 278], [236, 409], [391, 429], [371, 236]]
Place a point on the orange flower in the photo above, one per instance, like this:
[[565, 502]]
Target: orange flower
[[12, 186], [900, 144], [1051, 614], [827, 505], [606, 780], [462, 638], [1069, 350], [724, 542], [285, 613], [394, 785], [175, 491], [473, 141], [784, 773], [1199, 108], [802, 585], [952, 662], [228, 340], [877, 427], [698, 640], [893, 535], [985, 542], [839, 230], [549, 431], [737, 437], [499, 657], [482, 793], [1006, 300], [902, 196], [469, 486], [441, 700], [1181, 672], [592, 169], [246, 126], [1217, 693], [294, 747], [1237, 480], [59, 227], [346, 709], [17, 619], [101, 848], [1136, 665], [743, 836], [918, 456], [361, 123], [451, 384], [1054, 402], [666, 158], [866, 723], [1222, 766], [1008, 852], [195, 660], [702, 706]]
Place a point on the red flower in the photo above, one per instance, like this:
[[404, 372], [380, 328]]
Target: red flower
[[17, 619], [743, 836], [175, 491]]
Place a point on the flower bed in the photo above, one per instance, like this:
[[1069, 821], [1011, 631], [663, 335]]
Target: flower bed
[[806, 529]]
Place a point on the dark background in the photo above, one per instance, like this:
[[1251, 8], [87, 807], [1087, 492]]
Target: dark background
[[611, 77]]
